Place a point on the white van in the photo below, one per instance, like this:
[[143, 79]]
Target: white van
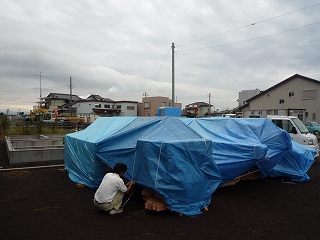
[[297, 130]]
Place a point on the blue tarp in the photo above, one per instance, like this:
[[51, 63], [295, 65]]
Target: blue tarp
[[241, 143], [295, 164], [169, 111], [183, 160], [162, 154], [283, 157]]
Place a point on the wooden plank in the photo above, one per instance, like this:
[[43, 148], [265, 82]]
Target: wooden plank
[[231, 183], [251, 176], [154, 202], [80, 185]]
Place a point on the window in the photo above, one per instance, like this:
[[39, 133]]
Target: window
[[291, 94], [281, 101], [275, 112], [97, 105], [118, 106], [163, 104], [306, 114], [146, 105], [284, 124], [130, 107], [309, 94], [314, 116], [106, 106]]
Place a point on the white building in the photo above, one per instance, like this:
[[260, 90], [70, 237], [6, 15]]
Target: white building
[[95, 106]]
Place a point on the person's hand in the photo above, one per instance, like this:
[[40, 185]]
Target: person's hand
[[130, 183]]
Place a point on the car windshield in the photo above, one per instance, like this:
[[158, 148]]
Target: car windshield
[[300, 125]]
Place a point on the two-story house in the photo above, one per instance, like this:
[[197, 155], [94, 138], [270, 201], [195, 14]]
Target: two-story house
[[95, 106], [197, 110], [54, 100], [89, 108], [295, 96]]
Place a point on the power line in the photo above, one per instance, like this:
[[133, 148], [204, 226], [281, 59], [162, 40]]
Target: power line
[[252, 39], [159, 70], [249, 25]]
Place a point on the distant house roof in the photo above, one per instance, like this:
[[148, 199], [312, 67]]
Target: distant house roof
[[95, 97], [281, 83], [197, 104], [104, 100], [62, 96]]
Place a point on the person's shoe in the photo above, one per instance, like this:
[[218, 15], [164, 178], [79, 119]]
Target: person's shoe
[[115, 211]]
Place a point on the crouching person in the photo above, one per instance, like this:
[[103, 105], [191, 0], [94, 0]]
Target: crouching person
[[112, 189]]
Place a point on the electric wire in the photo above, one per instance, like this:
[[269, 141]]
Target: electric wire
[[252, 39], [249, 25], [159, 70]]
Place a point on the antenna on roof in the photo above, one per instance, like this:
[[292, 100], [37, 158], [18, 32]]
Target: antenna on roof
[[40, 80]]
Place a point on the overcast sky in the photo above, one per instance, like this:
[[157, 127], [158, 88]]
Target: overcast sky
[[121, 49]]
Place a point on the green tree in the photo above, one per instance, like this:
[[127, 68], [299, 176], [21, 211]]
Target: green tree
[[4, 124]]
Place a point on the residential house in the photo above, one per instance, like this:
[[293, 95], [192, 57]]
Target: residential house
[[294, 96], [150, 105], [90, 108], [63, 101], [95, 106], [54, 100], [197, 110]]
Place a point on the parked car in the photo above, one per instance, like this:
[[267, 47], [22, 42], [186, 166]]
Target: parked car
[[297, 130], [313, 127]]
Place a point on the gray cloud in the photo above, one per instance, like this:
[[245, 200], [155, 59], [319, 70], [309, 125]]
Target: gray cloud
[[116, 48]]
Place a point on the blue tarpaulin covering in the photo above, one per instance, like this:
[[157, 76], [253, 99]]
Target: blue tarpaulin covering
[[183, 160], [295, 164], [241, 143]]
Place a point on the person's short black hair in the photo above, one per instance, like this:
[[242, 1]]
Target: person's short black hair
[[119, 167]]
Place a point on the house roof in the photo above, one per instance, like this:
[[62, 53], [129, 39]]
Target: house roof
[[197, 104], [96, 97], [281, 83], [61, 96], [104, 100]]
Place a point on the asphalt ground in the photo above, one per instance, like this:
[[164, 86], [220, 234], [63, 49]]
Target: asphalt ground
[[44, 203]]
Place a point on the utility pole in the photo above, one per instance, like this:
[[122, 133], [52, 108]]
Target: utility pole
[[41, 83], [209, 109], [70, 86], [173, 74]]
